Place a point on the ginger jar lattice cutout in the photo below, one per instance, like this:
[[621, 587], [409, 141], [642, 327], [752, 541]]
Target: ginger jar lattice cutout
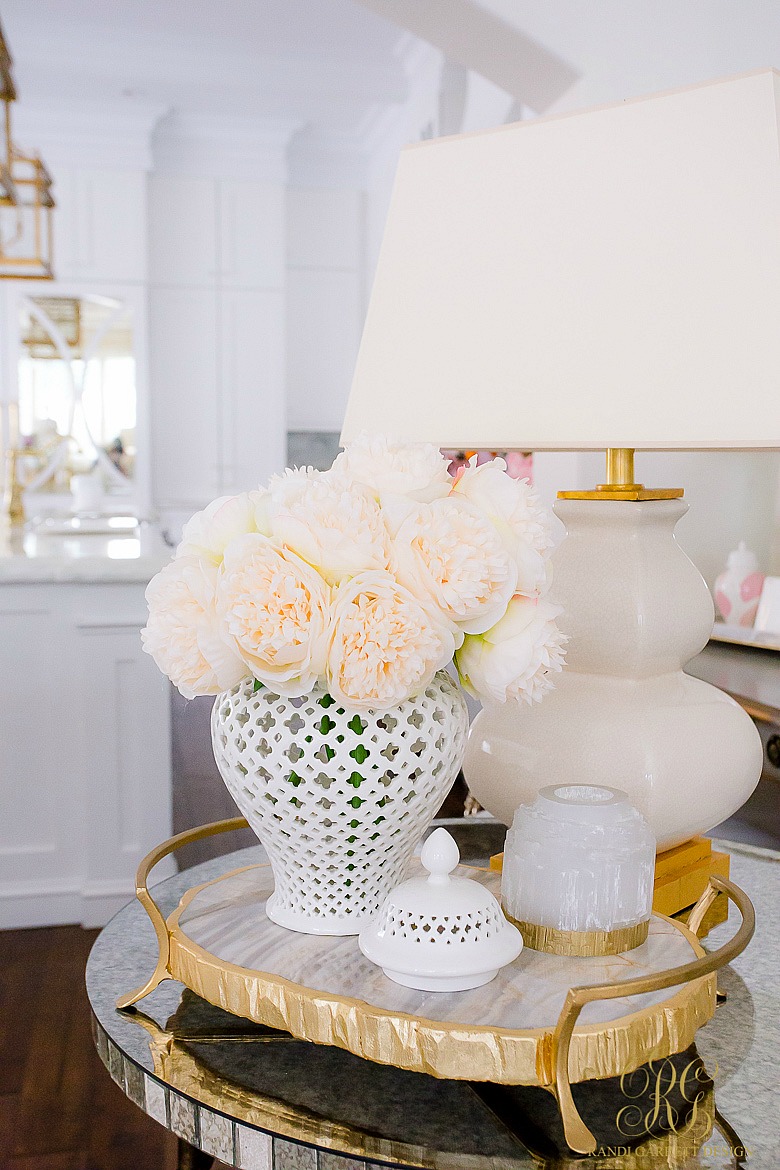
[[338, 799]]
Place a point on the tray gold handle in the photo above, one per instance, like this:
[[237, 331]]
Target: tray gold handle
[[577, 1134], [153, 910]]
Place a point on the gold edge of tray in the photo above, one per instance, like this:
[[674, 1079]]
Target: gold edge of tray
[[439, 1048]]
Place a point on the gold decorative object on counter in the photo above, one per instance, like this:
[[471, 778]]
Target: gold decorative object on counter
[[13, 492], [475, 1036], [13, 503]]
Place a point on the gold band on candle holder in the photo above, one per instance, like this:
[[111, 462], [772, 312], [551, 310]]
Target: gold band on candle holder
[[581, 943]]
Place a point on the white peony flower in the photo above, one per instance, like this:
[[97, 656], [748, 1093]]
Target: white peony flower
[[385, 646], [339, 530], [289, 484], [207, 533], [262, 502], [514, 660], [392, 467], [183, 632], [274, 610], [449, 553], [514, 509]]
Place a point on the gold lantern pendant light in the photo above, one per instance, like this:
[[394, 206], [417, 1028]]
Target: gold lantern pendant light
[[26, 201]]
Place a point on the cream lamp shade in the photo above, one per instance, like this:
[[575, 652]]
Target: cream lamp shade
[[602, 279]]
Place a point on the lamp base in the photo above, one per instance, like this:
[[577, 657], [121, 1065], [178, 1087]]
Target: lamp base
[[623, 713], [683, 873]]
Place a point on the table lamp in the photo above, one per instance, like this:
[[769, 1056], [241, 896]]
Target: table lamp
[[607, 280]]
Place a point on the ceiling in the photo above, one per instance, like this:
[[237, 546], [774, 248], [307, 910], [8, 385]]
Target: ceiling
[[626, 48], [335, 67], [322, 61]]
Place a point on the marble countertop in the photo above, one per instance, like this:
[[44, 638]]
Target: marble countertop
[[251, 1102], [116, 549]]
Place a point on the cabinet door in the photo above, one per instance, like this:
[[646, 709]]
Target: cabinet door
[[100, 225], [184, 396], [85, 772], [125, 749], [253, 387], [251, 234], [39, 850], [182, 230]]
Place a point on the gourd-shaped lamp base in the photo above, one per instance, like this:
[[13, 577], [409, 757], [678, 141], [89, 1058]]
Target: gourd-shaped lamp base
[[623, 713]]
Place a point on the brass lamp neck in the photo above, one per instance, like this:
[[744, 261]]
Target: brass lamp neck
[[620, 471]]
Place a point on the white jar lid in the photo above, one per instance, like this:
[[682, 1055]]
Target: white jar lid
[[440, 933]]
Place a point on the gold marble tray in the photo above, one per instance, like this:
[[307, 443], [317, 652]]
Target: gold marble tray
[[545, 1020]]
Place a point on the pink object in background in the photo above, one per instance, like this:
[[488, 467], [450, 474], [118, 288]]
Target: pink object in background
[[738, 588], [519, 464]]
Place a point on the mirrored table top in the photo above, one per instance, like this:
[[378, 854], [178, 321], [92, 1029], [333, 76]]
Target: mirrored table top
[[255, 1097]]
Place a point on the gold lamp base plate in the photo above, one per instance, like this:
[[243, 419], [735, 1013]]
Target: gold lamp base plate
[[631, 492]]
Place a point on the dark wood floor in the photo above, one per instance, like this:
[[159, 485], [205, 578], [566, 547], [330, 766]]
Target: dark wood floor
[[59, 1109]]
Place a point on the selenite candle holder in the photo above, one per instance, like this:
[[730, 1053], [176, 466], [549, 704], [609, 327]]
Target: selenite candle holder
[[578, 871]]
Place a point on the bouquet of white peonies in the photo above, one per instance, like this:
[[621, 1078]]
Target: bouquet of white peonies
[[366, 579]]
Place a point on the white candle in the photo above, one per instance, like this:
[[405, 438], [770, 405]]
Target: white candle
[[580, 858]]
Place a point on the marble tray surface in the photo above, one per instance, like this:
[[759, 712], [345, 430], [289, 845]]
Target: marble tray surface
[[228, 920]]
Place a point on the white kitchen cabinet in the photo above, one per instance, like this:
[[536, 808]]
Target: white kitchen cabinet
[[326, 302], [251, 235], [100, 225], [182, 230], [252, 386], [85, 777], [217, 338], [184, 396], [216, 232]]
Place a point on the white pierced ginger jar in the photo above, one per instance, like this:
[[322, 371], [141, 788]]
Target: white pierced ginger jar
[[339, 799]]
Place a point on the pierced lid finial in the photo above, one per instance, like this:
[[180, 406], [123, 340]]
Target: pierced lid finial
[[440, 855]]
